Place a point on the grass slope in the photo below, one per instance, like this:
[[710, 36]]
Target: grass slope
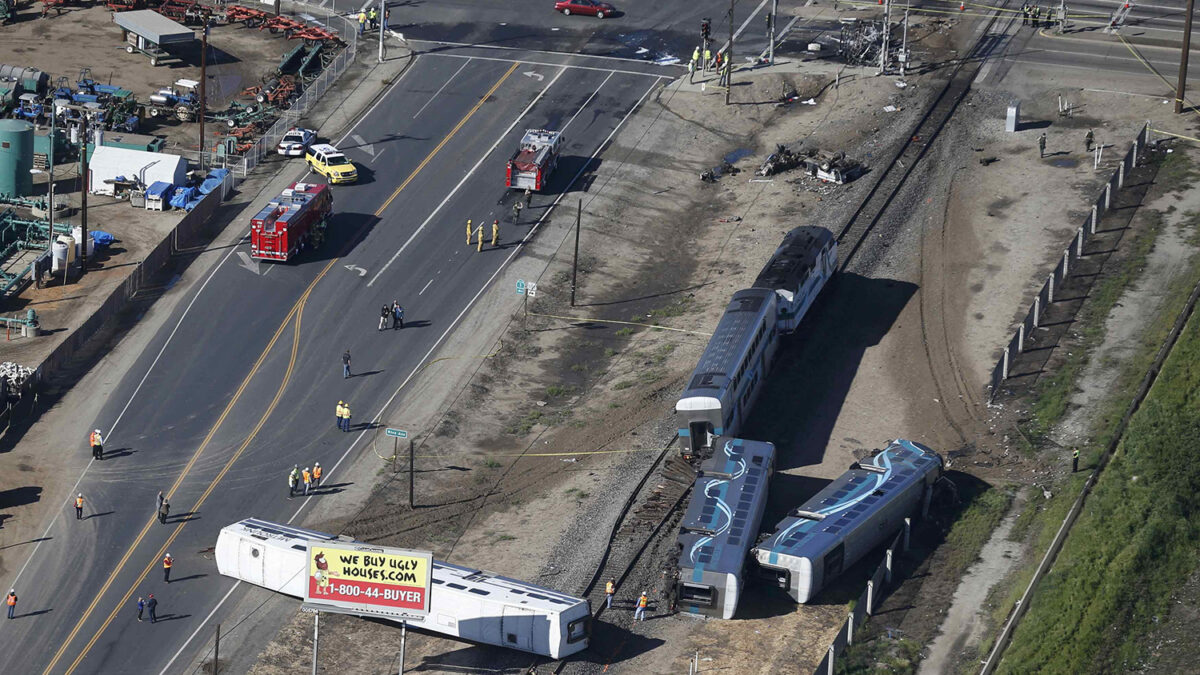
[[1134, 542]]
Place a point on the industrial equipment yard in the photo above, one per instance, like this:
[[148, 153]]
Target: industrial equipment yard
[[856, 346]]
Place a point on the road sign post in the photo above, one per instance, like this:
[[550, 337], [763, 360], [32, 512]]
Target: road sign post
[[412, 476]]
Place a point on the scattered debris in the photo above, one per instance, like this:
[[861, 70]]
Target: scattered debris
[[725, 169], [824, 166], [901, 84], [15, 373], [986, 161], [890, 108]]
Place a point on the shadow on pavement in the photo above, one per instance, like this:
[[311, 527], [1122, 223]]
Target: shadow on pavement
[[20, 496]]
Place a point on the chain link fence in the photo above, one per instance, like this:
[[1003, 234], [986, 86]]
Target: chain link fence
[[242, 165]]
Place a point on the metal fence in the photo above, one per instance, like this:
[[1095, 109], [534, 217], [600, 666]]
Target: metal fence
[[242, 165], [867, 601], [1045, 297]]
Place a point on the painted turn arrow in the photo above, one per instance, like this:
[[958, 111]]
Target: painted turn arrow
[[533, 73], [356, 268], [366, 147], [248, 262]]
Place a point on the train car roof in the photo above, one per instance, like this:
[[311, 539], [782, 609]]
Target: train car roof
[[457, 577], [731, 488], [794, 258], [730, 340], [849, 500]]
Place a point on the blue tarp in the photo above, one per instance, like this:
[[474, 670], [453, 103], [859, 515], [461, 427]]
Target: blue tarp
[[101, 238], [159, 188], [209, 185], [182, 196]]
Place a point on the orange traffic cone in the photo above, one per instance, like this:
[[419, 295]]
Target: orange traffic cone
[[962, 6]]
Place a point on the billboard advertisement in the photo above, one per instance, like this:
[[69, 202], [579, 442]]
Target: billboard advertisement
[[366, 579]]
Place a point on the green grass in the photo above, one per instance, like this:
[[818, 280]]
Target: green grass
[[609, 352], [1052, 395], [622, 332], [974, 527], [896, 656], [491, 464], [1133, 543], [623, 384], [557, 390], [525, 423]]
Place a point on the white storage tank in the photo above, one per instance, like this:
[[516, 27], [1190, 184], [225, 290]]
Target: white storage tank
[[58, 260], [77, 234]]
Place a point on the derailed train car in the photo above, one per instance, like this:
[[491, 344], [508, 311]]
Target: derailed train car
[[720, 526], [848, 518], [731, 371]]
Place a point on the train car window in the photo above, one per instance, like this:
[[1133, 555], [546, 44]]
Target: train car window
[[478, 591], [696, 594], [578, 629], [458, 586], [833, 561]]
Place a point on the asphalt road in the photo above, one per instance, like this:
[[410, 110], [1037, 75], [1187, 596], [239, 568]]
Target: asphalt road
[[242, 383]]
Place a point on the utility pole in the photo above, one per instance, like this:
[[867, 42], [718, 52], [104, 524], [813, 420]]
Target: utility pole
[[771, 32], [728, 62], [1062, 16], [887, 27], [382, 8], [316, 634], [217, 651], [203, 83], [575, 262], [412, 475], [86, 183], [1183, 58], [903, 56]]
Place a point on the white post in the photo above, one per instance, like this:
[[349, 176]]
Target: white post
[[403, 639], [1037, 310], [1095, 217], [1066, 263], [771, 36], [1004, 366], [832, 657], [1108, 196], [1121, 174], [1021, 339], [1079, 243], [907, 531], [1050, 288], [887, 574], [382, 9], [850, 628], [1135, 152], [870, 596], [887, 26], [316, 634]]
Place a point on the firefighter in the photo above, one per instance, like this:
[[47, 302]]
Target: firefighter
[[167, 562], [317, 475], [495, 232], [96, 440], [470, 230], [79, 507], [307, 480]]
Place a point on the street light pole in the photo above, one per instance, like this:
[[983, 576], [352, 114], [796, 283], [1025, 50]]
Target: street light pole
[[1183, 57], [728, 64], [382, 9]]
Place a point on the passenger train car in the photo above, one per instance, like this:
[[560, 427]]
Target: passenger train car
[[721, 525], [465, 603], [730, 373], [850, 517], [798, 271]]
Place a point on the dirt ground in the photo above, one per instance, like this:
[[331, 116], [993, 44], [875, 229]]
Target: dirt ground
[[238, 58]]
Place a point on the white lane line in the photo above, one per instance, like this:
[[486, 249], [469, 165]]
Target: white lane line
[[425, 287], [198, 628], [470, 173], [471, 303], [543, 63], [745, 23], [519, 49], [460, 69], [585, 104], [67, 501]]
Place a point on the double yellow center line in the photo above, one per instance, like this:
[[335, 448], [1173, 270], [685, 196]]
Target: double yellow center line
[[296, 312]]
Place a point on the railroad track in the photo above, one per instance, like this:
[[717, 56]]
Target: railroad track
[[912, 150]]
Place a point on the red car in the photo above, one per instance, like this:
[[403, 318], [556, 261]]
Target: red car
[[592, 7]]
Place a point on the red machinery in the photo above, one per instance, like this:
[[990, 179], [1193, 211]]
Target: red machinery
[[246, 15], [532, 163], [292, 221], [185, 11]]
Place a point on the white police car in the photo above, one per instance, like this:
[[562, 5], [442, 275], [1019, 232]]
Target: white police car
[[296, 141]]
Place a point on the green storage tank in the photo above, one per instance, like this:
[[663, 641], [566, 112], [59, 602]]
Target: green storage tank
[[16, 158]]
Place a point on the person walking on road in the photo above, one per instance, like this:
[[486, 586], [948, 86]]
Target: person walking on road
[[495, 232], [639, 614], [346, 417], [11, 601], [373, 18], [164, 511], [397, 315], [152, 605], [470, 230], [346, 364], [362, 21], [161, 499], [167, 562], [307, 480], [610, 589], [141, 605], [293, 480], [96, 440], [337, 411], [79, 507], [1042, 145], [1089, 140], [317, 475], [384, 315]]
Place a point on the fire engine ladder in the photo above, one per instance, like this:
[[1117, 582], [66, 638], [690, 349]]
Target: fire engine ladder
[[1119, 17]]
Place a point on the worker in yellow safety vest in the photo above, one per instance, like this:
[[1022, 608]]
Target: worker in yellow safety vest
[[338, 412], [610, 589], [346, 417], [96, 440]]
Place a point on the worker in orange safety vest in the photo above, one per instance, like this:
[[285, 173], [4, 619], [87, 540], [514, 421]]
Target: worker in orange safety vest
[[317, 475], [96, 440], [79, 507], [167, 562], [639, 614]]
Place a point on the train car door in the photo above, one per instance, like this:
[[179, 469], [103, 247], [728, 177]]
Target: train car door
[[517, 628], [251, 561]]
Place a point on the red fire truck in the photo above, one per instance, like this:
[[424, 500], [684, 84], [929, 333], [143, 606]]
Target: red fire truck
[[290, 222], [530, 166]]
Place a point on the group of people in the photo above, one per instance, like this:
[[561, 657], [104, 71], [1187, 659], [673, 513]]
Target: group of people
[[1033, 15], [707, 61], [395, 314], [370, 19], [308, 479]]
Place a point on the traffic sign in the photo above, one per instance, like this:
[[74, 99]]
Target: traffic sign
[[398, 433], [520, 287], [531, 290]]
